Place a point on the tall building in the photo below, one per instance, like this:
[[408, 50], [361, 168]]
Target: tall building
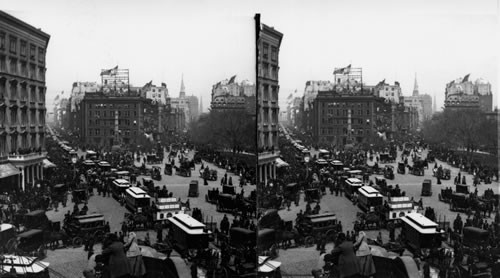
[[23, 50], [157, 94], [113, 120], [269, 42], [194, 111]]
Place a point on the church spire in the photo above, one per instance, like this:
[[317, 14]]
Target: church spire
[[415, 87], [182, 93]]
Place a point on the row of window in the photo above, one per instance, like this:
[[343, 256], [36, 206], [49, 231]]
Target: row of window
[[111, 122], [16, 67], [111, 106], [343, 131], [34, 94], [345, 112], [109, 132], [22, 47], [265, 52], [23, 119], [268, 71], [34, 140], [112, 114], [344, 121], [359, 105]]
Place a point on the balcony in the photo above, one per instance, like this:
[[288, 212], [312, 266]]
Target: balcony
[[27, 157], [268, 156]]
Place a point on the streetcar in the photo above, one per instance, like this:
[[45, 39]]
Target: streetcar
[[187, 233], [351, 186], [118, 188], [420, 232], [400, 207], [369, 198], [136, 199], [166, 208], [324, 154], [124, 175]]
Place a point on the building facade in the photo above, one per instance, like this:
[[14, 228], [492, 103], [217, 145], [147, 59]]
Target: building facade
[[22, 102], [269, 42], [464, 94], [112, 120], [341, 119], [231, 95], [389, 92]]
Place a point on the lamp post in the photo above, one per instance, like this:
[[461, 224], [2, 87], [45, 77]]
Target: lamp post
[[306, 160]]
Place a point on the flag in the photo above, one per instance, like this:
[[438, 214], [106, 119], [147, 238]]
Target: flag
[[396, 83], [163, 85], [345, 70], [232, 79], [290, 96], [112, 71], [466, 78], [57, 98]]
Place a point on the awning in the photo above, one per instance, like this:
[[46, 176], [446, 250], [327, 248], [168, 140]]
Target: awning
[[7, 170], [48, 164], [266, 265], [280, 163]]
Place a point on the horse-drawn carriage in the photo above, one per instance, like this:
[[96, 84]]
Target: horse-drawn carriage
[[154, 159], [444, 174], [156, 173], [426, 188], [312, 195], [459, 202], [369, 220], [401, 168], [82, 226], [445, 195], [386, 158], [193, 189], [30, 243], [417, 169], [228, 189], [208, 174], [212, 196], [389, 172], [311, 227], [168, 169], [183, 171], [227, 202], [290, 191]]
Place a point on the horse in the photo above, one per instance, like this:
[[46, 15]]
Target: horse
[[284, 238], [52, 239]]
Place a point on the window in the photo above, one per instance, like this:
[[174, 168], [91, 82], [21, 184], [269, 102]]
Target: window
[[12, 44], [266, 50], [2, 41], [3, 66], [32, 52], [24, 48], [41, 55], [274, 53], [13, 66]]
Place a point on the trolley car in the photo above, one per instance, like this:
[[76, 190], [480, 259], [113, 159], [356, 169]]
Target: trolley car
[[187, 233], [420, 232], [369, 198], [351, 186], [136, 199]]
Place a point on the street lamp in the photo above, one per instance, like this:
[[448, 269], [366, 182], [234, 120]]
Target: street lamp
[[306, 160]]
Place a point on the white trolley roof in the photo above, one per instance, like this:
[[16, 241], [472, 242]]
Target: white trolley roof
[[420, 223], [369, 191]]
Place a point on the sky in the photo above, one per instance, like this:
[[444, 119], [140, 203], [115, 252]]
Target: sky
[[155, 40], [438, 41], [208, 41]]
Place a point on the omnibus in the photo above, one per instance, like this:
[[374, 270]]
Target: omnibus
[[400, 207], [167, 207], [118, 188], [355, 174], [369, 198], [125, 175], [420, 232], [324, 154], [187, 233], [136, 199], [351, 186]]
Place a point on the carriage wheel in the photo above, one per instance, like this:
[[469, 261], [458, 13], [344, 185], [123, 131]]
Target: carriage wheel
[[309, 241], [77, 241]]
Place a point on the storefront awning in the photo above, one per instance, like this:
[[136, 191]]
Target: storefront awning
[[7, 170], [280, 163], [266, 265], [48, 164]]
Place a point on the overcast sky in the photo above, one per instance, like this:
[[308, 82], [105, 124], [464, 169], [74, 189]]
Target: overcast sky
[[156, 40], [209, 41], [438, 40]]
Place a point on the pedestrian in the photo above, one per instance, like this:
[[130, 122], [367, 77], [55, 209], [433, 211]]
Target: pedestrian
[[367, 266], [118, 263], [134, 256], [348, 265]]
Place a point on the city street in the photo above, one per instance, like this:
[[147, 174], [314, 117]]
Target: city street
[[70, 262], [296, 260]]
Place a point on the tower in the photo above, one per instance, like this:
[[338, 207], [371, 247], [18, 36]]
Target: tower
[[182, 93], [201, 104], [434, 108], [415, 87]]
